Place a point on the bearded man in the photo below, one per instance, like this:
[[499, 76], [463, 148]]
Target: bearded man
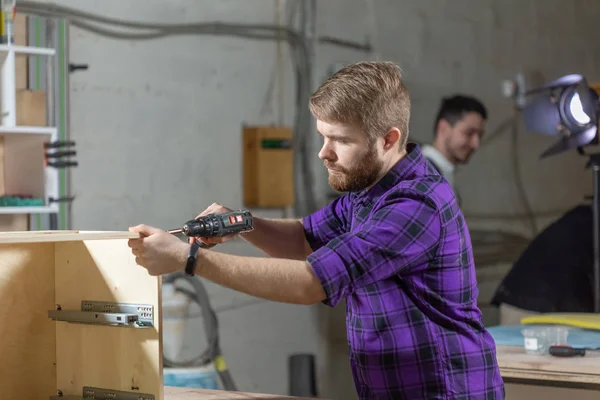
[[396, 247]]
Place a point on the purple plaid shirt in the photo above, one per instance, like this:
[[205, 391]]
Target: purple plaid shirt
[[401, 256]]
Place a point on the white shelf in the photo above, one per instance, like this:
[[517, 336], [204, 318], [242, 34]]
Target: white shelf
[[29, 130], [28, 210], [23, 159], [28, 50]]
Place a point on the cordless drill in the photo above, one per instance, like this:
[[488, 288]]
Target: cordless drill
[[216, 225]]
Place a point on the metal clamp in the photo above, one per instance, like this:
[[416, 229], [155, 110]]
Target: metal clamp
[[104, 394], [107, 313]]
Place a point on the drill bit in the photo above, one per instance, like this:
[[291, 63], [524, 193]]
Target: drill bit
[[175, 231]]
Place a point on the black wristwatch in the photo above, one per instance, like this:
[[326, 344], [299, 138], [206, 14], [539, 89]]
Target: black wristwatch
[[190, 265]]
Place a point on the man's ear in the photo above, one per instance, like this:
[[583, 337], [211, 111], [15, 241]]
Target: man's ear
[[391, 139], [443, 127]]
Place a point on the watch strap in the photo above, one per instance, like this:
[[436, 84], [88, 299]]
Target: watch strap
[[190, 265]]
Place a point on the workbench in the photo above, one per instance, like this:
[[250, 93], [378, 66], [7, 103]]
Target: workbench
[[173, 393], [548, 377]]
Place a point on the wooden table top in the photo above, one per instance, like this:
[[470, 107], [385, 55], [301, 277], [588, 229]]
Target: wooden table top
[[515, 363], [176, 393]]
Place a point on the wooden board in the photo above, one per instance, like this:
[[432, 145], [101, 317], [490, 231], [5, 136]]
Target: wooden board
[[27, 348], [175, 393], [63, 236], [515, 363], [108, 357]]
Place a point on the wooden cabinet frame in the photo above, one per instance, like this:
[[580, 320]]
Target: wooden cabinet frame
[[42, 357]]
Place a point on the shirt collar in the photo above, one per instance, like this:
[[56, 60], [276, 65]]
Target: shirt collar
[[446, 167], [396, 174]]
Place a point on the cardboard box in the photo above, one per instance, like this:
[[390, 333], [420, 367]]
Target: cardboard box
[[14, 222], [31, 107]]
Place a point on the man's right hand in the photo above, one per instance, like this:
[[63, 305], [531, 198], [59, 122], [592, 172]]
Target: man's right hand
[[281, 238], [215, 208]]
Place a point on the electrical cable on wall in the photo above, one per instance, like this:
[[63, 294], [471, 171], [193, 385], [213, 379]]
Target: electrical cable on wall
[[290, 13], [305, 198], [306, 201]]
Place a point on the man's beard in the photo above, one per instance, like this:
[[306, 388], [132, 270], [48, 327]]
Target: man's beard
[[357, 178]]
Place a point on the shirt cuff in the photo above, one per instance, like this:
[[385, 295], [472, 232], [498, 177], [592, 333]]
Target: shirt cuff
[[329, 268], [310, 232]]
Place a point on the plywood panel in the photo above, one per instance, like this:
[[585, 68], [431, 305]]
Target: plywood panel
[[107, 357], [62, 236], [27, 345]]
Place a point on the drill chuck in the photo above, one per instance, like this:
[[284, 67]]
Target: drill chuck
[[215, 225]]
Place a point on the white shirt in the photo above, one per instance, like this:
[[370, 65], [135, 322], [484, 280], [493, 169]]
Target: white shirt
[[446, 167]]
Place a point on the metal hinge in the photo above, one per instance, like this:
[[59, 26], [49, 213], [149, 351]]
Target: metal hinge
[[107, 313], [104, 394]]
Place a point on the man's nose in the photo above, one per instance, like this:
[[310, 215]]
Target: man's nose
[[326, 153], [475, 142]]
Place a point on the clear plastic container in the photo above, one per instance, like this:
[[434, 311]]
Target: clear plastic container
[[538, 339], [557, 335]]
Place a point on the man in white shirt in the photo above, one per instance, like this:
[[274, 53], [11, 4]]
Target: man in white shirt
[[459, 126]]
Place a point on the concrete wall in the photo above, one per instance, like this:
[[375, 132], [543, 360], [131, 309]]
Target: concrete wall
[[158, 123]]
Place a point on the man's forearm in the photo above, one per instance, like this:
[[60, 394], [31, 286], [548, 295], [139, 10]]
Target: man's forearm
[[286, 281], [280, 238]]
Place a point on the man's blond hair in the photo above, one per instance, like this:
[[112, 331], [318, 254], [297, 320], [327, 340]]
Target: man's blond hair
[[367, 94]]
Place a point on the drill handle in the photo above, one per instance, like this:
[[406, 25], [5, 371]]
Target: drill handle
[[203, 245]]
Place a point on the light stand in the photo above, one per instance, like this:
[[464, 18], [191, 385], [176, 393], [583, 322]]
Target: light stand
[[569, 108], [594, 164]]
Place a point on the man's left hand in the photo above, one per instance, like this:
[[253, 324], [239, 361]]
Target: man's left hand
[[158, 251]]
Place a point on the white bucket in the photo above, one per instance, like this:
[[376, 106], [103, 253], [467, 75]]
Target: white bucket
[[175, 306], [176, 309]]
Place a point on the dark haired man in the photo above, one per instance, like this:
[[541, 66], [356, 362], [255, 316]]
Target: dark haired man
[[459, 126]]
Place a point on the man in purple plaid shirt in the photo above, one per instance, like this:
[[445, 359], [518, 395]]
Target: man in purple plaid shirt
[[396, 247]]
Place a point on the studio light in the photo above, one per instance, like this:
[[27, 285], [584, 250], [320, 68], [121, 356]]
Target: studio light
[[569, 108]]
